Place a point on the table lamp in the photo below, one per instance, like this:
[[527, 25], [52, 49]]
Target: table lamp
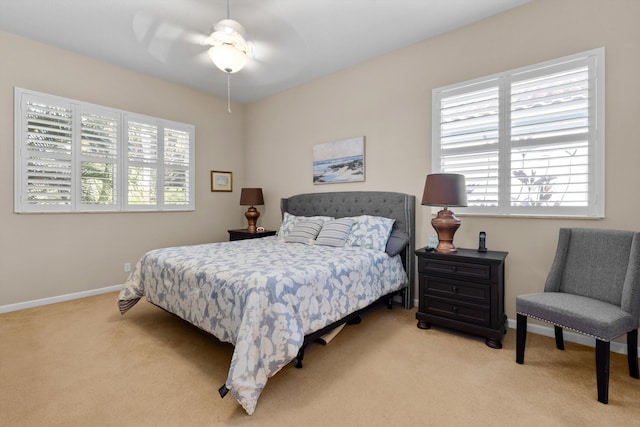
[[250, 197], [445, 189]]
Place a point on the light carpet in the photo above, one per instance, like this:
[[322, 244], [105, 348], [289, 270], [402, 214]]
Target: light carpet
[[80, 363]]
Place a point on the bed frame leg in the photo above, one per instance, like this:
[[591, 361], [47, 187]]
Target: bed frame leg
[[223, 391], [298, 360]]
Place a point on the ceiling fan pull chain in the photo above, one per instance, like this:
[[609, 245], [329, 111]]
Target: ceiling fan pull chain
[[229, 93]]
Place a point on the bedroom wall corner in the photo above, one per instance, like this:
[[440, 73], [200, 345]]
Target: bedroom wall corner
[[49, 255], [388, 100]]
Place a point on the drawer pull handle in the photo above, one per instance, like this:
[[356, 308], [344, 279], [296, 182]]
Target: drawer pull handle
[[454, 268], [454, 309], [454, 289]]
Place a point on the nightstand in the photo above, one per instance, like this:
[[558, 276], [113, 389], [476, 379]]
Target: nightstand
[[242, 234], [463, 291]]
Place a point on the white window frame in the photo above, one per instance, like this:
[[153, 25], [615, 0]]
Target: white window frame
[[595, 207], [121, 162]]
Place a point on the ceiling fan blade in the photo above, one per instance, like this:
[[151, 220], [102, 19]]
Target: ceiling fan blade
[[163, 38]]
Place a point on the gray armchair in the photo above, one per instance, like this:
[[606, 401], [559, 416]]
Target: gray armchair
[[593, 288]]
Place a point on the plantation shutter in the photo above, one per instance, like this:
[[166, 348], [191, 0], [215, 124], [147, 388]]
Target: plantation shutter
[[72, 156], [550, 112], [177, 157], [99, 137], [469, 135], [528, 141], [143, 163], [45, 159]]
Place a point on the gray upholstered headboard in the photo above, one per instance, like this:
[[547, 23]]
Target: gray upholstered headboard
[[398, 206]]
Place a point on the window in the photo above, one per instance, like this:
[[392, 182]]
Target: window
[[77, 157], [528, 141]]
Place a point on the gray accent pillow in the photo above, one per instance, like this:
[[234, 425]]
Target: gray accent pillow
[[335, 233], [305, 231], [397, 241]]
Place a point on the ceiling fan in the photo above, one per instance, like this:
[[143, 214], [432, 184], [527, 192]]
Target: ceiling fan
[[229, 50], [271, 51]]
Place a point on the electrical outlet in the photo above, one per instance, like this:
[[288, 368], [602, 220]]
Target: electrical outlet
[[127, 267]]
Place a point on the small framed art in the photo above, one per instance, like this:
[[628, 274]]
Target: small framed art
[[221, 181]]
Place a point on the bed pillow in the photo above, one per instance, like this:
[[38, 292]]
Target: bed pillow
[[289, 221], [305, 231], [370, 232], [335, 232], [396, 243]]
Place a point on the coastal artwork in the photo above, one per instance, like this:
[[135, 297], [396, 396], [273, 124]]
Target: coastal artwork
[[339, 161]]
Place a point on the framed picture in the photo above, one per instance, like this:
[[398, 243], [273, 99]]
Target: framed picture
[[221, 181], [339, 161]]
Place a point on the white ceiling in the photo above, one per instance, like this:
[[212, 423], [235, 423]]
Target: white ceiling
[[293, 41]]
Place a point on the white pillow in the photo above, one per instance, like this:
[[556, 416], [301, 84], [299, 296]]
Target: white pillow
[[305, 231], [335, 232], [370, 232]]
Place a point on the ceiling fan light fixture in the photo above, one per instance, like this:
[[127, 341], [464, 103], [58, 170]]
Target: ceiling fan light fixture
[[228, 58], [229, 50]]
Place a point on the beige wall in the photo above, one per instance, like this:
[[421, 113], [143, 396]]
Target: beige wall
[[389, 101], [47, 255]]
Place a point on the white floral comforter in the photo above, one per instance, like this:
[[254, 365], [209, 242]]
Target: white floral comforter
[[261, 295]]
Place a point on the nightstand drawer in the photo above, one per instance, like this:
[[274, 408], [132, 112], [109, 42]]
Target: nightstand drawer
[[459, 269], [467, 313], [456, 290]]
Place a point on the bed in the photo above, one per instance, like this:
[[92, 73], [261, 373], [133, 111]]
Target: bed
[[335, 255]]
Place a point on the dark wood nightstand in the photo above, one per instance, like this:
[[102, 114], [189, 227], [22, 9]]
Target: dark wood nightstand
[[463, 291], [242, 234]]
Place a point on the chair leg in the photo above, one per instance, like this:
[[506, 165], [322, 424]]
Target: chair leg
[[559, 337], [632, 352], [602, 370], [521, 337]]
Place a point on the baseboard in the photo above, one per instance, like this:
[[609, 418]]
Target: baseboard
[[61, 298]]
